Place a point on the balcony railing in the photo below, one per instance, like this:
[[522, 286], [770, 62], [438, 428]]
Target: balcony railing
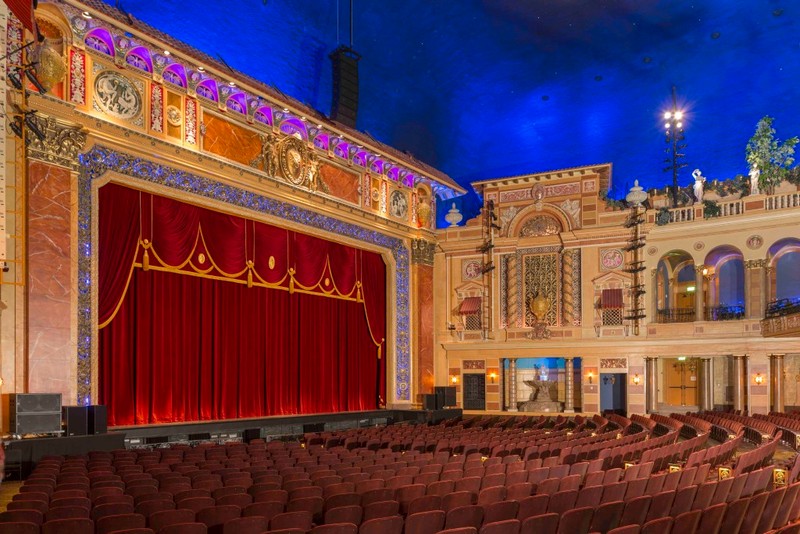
[[782, 307], [724, 313], [675, 315]]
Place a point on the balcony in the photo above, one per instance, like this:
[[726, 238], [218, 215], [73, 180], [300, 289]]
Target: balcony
[[782, 318], [724, 313], [675, 315]]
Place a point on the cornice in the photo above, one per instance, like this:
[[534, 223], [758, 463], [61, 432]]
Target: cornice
[[256, 92]]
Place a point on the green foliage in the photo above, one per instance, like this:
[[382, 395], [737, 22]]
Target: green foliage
[[771, 157], [611, 203], [662, 216], [711, 209], [738, 185]]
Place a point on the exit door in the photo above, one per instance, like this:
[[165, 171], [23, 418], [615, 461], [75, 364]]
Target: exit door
[[474, 391], [681, 381]]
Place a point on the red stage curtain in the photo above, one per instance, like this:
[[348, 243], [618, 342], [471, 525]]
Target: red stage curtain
[[229, 318]]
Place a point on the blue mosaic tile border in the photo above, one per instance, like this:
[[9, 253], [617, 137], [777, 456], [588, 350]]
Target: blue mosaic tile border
[[99, 160]]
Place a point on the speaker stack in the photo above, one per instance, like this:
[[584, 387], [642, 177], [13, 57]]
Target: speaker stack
[[446, 396], [84, 420], [35, 413]]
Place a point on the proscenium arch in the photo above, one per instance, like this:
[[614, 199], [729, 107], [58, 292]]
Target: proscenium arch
[[99, 161]]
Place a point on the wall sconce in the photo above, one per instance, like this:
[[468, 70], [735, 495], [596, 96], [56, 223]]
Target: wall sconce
[[590, 376], [453, 379], [636, 380], [493, 376], [758, 379]]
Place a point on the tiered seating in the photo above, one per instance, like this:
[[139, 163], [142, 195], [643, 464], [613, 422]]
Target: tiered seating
[[252, 488], [755, 430], [412, 480]]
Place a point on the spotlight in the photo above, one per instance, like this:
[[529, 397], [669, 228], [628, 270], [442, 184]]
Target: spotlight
[[31, 75], [16, 127], [33, 126], [13, 77]]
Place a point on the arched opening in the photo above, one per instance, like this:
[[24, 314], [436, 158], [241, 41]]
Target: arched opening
[[723, 276], [676, 288], [784, 278]]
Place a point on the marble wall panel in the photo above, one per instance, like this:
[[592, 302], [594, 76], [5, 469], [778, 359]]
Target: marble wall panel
[[230, 141], [424, 328], [51, 352], [340, 183]]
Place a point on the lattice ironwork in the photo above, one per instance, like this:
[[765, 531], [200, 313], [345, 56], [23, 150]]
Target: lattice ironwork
[[612, 316], [472, 321], [541, 280]]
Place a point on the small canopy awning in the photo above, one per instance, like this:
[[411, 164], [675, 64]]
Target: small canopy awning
[[469, 306], [611, 298]]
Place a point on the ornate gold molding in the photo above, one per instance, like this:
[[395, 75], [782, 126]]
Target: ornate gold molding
[[422, 252], [61, 145], [755, 264]]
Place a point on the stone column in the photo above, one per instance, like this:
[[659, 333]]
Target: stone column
[[512, 385], [503, 385], [739, 384], [776, 377], [652, 297], [569, 393], [651, 384], [765, 289], [706, 385], [756, 295], [699, 294]]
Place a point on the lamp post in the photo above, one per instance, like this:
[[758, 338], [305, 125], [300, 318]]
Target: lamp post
[[673, 124]]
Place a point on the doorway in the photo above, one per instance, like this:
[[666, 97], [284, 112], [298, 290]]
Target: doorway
[[680, 381], [613, 393], [474, 391]]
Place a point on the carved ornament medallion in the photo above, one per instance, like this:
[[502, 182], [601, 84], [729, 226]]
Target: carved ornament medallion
[[292, 156]]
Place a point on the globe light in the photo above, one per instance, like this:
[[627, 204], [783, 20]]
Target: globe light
[[667, 115], [678, 115], [679, 125]]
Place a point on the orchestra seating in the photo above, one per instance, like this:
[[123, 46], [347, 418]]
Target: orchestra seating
[[483, 475]]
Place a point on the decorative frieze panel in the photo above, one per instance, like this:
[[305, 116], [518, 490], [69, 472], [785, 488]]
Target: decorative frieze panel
[[61, 144], [77, 77], [613, 363], [157, 108], [422, 251]]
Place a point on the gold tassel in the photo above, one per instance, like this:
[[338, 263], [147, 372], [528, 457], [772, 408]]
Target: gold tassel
[[379, 353], [249, 278], [146, 260]]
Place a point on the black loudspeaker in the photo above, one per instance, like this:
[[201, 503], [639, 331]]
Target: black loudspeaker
[[344, 107], [98, 419], [76, 420], [447, 396], [250, 434], [34, 413], [429, 402], [35, 423], [36, 402], [313, 427]]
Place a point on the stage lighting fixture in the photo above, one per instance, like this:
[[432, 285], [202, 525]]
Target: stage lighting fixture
[[34, 127], [16, 127], [31, 75], [13, 77]]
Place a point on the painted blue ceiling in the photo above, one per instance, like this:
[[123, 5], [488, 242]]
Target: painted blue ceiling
[[489, 88]]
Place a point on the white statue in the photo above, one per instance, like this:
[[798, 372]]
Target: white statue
[[699, 180], [754, 174]]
